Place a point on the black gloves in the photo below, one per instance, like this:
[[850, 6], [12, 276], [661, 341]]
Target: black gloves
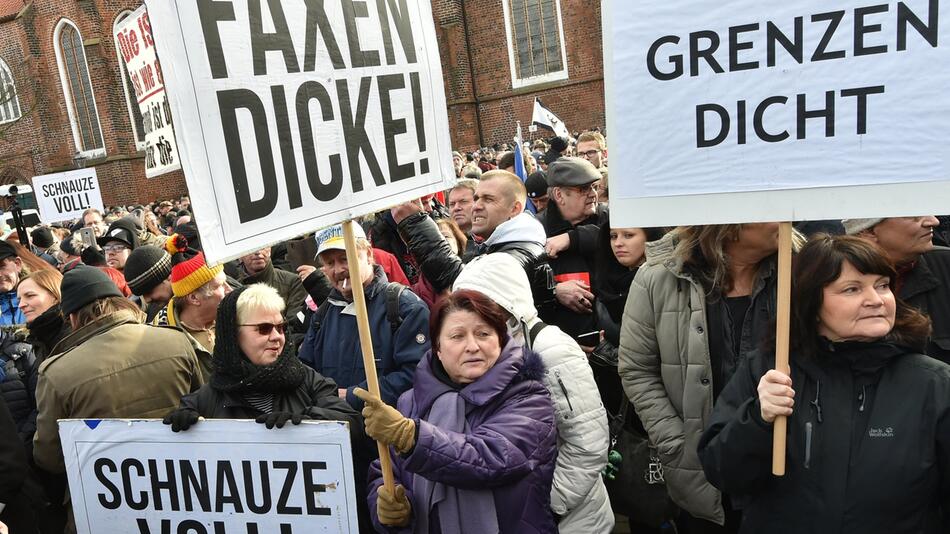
[[279, 419], [181, 419]]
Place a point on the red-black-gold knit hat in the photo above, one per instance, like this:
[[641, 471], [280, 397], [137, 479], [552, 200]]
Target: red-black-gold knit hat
[[191, 274]]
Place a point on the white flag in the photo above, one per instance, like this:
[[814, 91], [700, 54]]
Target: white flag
[[545, 118]]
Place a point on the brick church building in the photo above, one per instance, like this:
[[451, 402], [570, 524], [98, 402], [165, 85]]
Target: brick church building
[[498, 55], [63, 103], [65, 98]]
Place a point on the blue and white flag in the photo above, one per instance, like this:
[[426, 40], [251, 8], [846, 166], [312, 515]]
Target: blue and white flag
[[520, 170]]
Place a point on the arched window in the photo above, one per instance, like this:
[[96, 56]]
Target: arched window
[[535, 41], [77, 87], [135, 114], [9, 103]]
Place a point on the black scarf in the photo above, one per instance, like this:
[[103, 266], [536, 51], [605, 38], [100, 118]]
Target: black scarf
[[46, 331], [233, 372]]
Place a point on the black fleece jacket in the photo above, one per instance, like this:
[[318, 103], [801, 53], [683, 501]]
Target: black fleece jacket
[[868, 446]]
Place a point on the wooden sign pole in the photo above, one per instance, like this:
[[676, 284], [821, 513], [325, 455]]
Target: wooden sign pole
[[366, 342], [782, 324]]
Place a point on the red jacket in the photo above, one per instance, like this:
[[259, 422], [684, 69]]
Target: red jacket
[[390, 266]]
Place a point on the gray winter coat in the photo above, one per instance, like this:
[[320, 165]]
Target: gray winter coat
[[665, 367]]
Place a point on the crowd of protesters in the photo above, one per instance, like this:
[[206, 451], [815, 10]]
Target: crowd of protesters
[[540, 369]]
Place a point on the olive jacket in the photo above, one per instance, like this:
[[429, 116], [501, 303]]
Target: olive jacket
[[111, 367], [666, 369]]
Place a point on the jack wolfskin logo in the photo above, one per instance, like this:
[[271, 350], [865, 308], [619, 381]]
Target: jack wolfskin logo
[[881, 432]]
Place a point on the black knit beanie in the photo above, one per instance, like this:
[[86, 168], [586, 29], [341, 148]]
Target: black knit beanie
[[83, 285], [234, 372], [147, 267], [42, 237]]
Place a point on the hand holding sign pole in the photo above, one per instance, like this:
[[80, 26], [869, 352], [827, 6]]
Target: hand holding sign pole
[[782, 326], [366, 341]]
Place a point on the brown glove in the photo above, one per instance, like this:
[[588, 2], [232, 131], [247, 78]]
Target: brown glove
[[393, 510], [385, 424]]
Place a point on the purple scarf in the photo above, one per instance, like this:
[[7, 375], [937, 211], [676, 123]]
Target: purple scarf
[[478, 516]]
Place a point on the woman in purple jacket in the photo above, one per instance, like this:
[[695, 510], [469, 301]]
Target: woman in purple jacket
[[474, 441]]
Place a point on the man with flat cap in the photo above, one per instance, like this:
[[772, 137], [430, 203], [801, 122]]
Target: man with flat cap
[[571, 222], [923, 269]]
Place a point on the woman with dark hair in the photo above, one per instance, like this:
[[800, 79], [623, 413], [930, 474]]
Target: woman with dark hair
[[869, 417], [474, 441], [702, 301]]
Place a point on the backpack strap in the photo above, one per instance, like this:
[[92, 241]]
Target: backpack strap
[[535, 330], [393, 293]]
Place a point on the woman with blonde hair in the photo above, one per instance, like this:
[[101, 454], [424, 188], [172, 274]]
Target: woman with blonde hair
[[453, 234], [39, 301], [703, 300]]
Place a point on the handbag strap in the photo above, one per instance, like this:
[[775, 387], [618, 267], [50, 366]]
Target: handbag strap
[[618, 421]]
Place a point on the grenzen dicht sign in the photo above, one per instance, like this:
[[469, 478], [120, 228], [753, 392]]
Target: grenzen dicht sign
[[748, 111], [292, 115], [63, 196], [219, 477]]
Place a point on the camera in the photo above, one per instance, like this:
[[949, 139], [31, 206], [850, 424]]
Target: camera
[[14, 190]]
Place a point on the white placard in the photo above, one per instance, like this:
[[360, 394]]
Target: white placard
[[140, 477], [63, 196], [296, 115], [768, 111], [133, 39]]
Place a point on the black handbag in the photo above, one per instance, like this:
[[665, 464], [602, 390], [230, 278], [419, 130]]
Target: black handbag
[[636, 489]]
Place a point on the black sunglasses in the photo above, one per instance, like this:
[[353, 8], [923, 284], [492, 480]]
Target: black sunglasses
[[265, 329]]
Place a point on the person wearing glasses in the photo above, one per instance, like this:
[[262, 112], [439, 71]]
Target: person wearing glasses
[[256, 374], [119, 241], [197, 291], [572, 223], [593, 147]]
